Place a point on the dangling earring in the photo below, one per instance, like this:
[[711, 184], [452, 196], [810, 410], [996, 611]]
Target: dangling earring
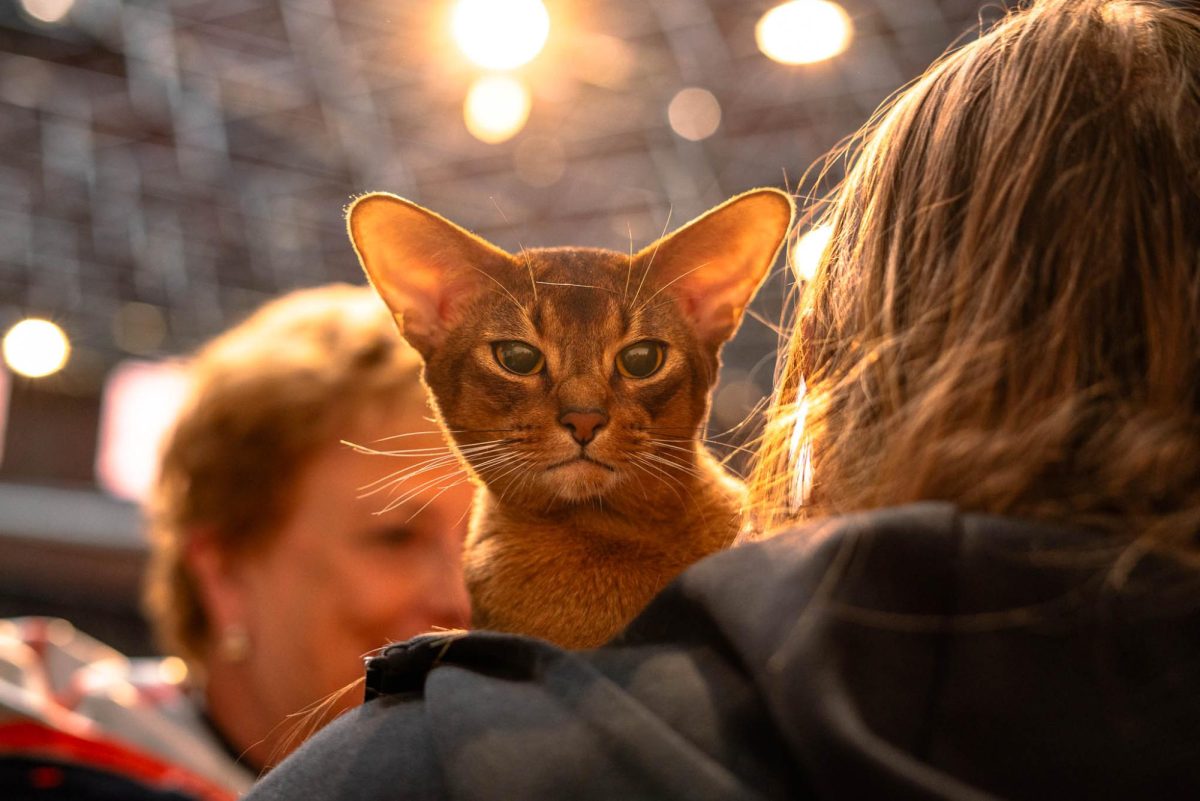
[[234, 644]]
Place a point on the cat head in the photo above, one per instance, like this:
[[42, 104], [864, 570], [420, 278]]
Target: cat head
[[565, 373]]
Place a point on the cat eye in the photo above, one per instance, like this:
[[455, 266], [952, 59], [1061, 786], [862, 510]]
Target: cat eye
[[519, 357], [641, 359]]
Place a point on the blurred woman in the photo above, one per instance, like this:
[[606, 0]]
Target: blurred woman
[[281, 556], [990, 413]]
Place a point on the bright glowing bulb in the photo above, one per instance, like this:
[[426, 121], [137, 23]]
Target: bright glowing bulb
[[808, 251], [804, 31], [50, 11], [694, 113], [500, 34], [36, 348], [497, 107]]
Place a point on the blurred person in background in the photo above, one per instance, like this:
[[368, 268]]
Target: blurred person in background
[[271, 575]]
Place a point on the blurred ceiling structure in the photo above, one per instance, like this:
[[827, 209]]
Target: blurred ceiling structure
[[167, 166]]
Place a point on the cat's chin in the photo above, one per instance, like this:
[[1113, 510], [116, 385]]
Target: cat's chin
[[580, 479]]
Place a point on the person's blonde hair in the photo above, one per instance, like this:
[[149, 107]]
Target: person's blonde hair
[[1008, 314], [265, 397]]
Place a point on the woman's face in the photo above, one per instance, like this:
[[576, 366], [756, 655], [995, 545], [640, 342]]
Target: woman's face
[[341, 579]]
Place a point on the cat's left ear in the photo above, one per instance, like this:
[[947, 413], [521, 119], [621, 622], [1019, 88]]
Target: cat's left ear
[[426, 268], [715, 264]]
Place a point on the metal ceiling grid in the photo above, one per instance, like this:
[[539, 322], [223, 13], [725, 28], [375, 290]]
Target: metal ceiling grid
[[195, 155]]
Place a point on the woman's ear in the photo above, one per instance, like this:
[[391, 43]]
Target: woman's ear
[[715, 264], [423, 266], [218, 584]]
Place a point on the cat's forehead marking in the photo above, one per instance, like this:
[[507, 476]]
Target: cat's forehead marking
[[579, 325], [576, 293]]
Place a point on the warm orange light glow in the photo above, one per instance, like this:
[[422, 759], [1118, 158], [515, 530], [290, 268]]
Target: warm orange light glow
[[804, 31], [496, 108], [500, 34], [173, 670]]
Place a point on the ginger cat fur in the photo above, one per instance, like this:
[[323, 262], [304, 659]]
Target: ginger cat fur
[[574, 384]]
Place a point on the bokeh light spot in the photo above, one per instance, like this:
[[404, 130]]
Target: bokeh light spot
[[497, 108], [139, 328], [500, 34], [694, 113], [173, 670], [804, 31], [50, 11], [36, 348]]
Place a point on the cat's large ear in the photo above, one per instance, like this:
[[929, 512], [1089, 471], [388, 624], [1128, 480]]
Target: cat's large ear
[[715, 264], [423, 266]]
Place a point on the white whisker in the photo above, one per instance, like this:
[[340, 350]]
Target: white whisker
[[671, 445], [440, 431], [629, 269], [673, 280], [580, 286], [668, 462], [412, 493], [655, 473], [511, 296], [441, 491], [401, 476], [650, 262]]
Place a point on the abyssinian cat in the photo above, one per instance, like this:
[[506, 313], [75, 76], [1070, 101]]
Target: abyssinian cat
[[574, 384]]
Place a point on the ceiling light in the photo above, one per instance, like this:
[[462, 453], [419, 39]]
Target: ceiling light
[[36, 348], [804, 31], [496, 108], [500, 34]]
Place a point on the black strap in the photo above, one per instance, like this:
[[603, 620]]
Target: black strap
[[401, 668]]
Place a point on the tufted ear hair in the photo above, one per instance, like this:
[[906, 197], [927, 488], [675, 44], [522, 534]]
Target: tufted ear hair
[[715, 264], [424, 267]]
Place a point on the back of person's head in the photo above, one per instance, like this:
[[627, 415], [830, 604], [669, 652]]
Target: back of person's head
[[1008, 314], [265, 397]]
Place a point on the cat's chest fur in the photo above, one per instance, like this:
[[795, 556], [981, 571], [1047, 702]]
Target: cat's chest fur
[[576, 579]]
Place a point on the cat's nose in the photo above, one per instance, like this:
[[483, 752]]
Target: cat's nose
[[584, 424]]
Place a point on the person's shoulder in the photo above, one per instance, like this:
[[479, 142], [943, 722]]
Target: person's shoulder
[[881, 558], [906, 559], [375, 751], [881, 640]]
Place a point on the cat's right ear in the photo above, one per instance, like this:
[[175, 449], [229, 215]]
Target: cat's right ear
[[424, 267]]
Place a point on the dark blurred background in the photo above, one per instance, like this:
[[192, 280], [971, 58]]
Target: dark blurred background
[[168, 165]]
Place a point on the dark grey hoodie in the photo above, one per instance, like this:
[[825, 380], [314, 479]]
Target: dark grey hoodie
[[915, 652]]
